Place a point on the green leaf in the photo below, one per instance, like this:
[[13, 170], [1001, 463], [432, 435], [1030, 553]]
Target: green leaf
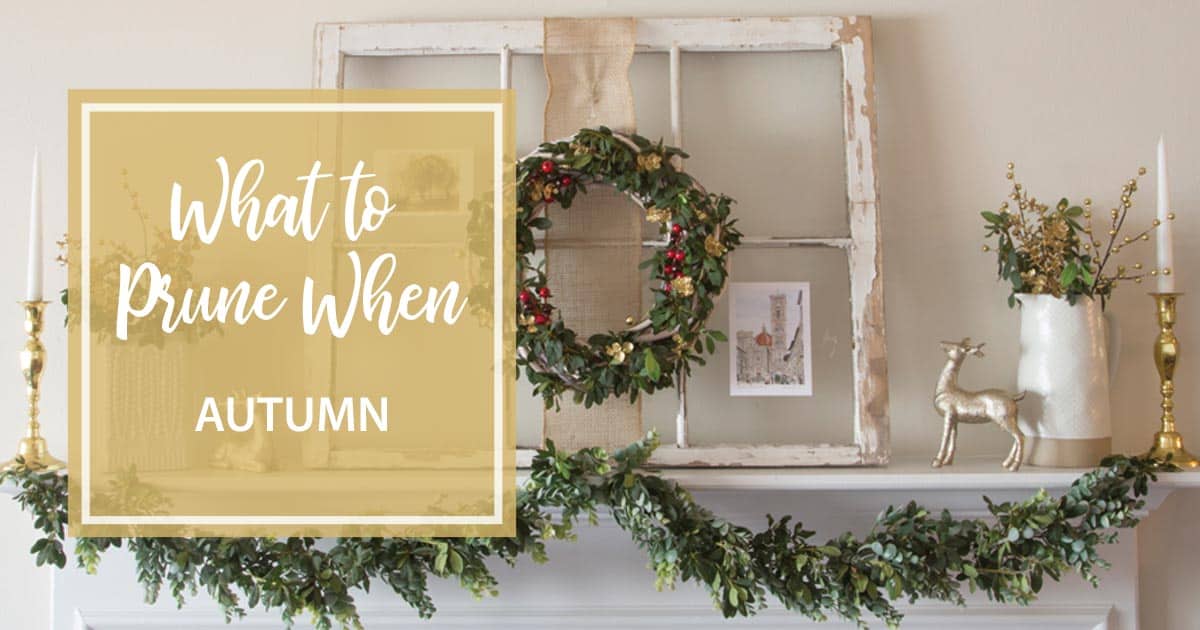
[[1017, 282], [652, 368], [1068, 275]]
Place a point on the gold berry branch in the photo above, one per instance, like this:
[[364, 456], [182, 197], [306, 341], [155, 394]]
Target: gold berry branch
[[1055, 250]]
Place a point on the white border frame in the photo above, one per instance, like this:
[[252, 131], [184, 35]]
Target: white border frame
[[498, 381]]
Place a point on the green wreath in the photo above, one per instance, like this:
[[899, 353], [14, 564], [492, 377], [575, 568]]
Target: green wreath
[[690, 271]]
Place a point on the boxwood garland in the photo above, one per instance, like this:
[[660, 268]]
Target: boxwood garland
[[909, 554], [689, 273]]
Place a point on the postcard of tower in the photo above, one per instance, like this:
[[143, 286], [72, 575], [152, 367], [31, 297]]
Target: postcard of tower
[[772, 330]]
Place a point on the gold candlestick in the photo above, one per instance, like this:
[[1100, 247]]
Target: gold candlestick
[[32, 449], [1168, 444]]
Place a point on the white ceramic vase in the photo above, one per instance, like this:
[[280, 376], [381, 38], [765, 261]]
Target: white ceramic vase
[[1064, 372], [138, 434]]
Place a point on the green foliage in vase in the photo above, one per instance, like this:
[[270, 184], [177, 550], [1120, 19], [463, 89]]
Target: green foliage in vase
[[159, 247], [910, 554], [1053, 250]]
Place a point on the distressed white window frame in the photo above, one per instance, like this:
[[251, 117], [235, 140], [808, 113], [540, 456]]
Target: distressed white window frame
[[850, 36]]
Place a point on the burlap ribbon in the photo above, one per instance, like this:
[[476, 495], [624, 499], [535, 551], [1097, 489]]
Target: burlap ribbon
[[593, 250]]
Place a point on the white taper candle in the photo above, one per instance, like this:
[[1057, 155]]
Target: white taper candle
[[1165, 242], [33, 291]]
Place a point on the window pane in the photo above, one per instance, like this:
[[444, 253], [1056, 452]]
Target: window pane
[[716, 417]]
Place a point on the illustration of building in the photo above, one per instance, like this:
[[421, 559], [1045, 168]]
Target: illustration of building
[[794, 357], [778, 322], [768, 358], [754, 356]]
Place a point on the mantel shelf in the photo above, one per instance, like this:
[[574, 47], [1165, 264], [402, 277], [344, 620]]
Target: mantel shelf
[[905, 473]]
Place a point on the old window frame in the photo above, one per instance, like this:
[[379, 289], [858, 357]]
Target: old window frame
[[848, 35]]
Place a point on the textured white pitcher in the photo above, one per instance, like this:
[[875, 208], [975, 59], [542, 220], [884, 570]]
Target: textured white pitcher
[[1064, 372]]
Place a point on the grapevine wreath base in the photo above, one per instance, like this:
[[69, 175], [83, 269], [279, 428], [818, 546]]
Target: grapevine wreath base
[[909, 554]]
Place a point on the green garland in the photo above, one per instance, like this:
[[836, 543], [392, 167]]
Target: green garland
[[910, 553], [691, 270]]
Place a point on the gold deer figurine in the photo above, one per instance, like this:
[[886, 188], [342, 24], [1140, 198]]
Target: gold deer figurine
[[959, 405]]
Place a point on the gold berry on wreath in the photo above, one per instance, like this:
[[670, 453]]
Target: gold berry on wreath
[[688, 274]]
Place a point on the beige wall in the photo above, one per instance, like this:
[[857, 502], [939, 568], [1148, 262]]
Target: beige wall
[[1075, 92]]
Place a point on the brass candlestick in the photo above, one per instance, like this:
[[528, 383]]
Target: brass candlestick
[[32, 449], [1168, 444]]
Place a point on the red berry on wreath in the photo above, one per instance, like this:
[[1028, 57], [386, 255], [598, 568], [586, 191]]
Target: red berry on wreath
[[676, 228], [678, 273], [540, 319], [524, 296], [565, 181], [544, 292], [666, 287], [547, 166]]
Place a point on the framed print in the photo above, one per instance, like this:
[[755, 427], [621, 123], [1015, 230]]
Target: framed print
[[771, 332]]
